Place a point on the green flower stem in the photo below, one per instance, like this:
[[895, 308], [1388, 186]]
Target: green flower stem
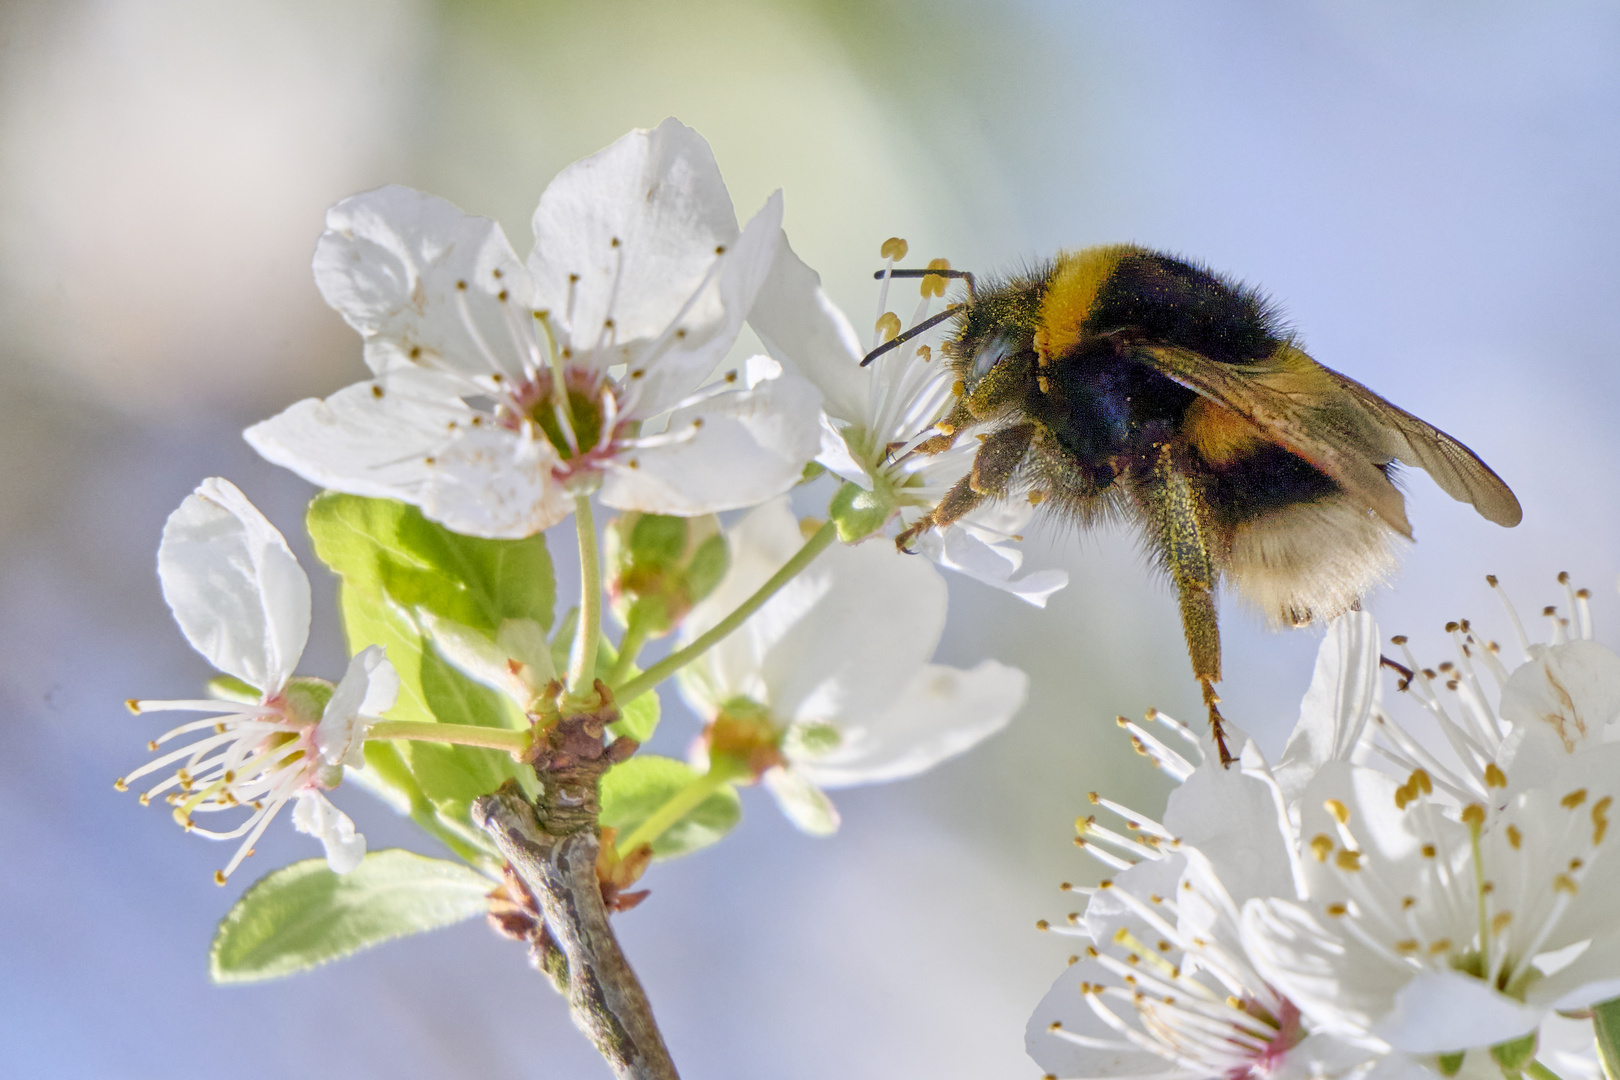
[[635, 636], [672, 663], [1606, 1025], [683, 802], [1540, 1072], [513, 742], [582, 658]]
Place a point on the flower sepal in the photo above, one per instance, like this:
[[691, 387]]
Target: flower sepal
[[1515, 1054], [658, 566]]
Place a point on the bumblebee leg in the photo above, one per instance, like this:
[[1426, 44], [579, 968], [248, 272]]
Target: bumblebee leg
[[1180, 526], [994, 467]]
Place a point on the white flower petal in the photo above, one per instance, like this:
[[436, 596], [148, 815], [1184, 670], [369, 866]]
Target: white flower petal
[[1336, 982], [1237, 821], [733, 450], [369, 687], [235, 588], [315, 815], [1344, 689], [495, 483], [801, 327], [1564, 699], [414, 271], [1442, 1011], [835, 456], [802, 803], [942, 712], [362, 442], [994, 564], [640, 240]]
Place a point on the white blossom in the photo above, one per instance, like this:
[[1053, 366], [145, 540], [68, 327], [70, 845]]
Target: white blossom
[[501, 388], [875, 419], [242, 601], [1454, 905], [829, 684], [1165, 989]]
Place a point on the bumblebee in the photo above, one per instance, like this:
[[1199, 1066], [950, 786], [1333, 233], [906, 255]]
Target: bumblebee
[[1123, 384]]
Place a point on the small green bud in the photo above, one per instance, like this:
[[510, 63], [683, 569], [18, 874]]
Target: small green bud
[[307, 698], [859, 513], [1515, 1054], [659, 566]]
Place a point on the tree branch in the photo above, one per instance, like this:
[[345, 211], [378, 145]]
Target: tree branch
[[553, 847]]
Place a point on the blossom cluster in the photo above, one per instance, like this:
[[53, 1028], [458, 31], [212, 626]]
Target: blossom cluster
[[1390, 898], [504, 394]]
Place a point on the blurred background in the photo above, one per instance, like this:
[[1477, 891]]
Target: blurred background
[[1428, 188]]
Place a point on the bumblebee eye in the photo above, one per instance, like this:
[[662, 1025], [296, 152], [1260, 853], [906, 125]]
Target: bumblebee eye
[[991, 353]]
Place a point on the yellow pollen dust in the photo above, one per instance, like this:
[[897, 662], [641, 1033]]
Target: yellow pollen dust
[[889, 326], [1340, 812], [894, 248], [1573, 799], [1321, 847], [1494, 777]]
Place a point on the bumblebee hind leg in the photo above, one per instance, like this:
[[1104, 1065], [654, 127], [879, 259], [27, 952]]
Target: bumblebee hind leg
[[1180, 527]]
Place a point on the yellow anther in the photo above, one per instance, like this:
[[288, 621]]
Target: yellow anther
[[145, 799], [1500, 921], [958, 388], [1340, 812], [1428, 851], [934, 284], [894, 248], [132, 705], [1093, 797], [1042, 924], [1408, 903], [1044, 384], [1573, 799], [1036, 498], [1348, 860], [1336, 910], [1321, 846], [1407, 947], [925, 353], [1056, 1025], [1600, 819], [1403, 795], [1420, 779], [1438, 947], [1576, 864], [219, 877], [1565, 883], [1514, 837], [120, 784], [1473, 815], [1494, 777], [889, 326]]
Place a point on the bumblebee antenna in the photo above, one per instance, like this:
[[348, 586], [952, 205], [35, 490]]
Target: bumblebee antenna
[[926, 324], [963, 274]]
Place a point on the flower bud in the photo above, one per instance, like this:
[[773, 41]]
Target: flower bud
[[659, 566]]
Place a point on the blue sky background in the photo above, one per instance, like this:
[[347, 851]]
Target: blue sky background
[[1427, 188]]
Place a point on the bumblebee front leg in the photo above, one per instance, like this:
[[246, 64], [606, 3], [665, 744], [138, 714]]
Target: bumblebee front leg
[[994, 467], [1181, 527]]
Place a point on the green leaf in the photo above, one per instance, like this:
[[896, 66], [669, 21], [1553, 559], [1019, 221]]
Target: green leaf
[[634, 789], [304, 915], [388, 546], [638, 719], [1606, 1025], [392, 560]]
